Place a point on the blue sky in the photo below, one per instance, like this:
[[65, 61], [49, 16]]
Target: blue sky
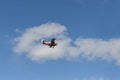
[[94, 19]]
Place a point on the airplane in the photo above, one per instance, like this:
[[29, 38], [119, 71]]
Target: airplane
[[50, 44]]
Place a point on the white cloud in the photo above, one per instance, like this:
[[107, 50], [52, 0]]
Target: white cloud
[[26, 43], [97, 48], [87, 48]]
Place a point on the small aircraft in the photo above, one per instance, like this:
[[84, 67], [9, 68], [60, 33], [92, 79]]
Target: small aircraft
[[50, 44]]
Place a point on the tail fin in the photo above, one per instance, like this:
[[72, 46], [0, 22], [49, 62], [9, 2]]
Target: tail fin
[[53, 40]]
